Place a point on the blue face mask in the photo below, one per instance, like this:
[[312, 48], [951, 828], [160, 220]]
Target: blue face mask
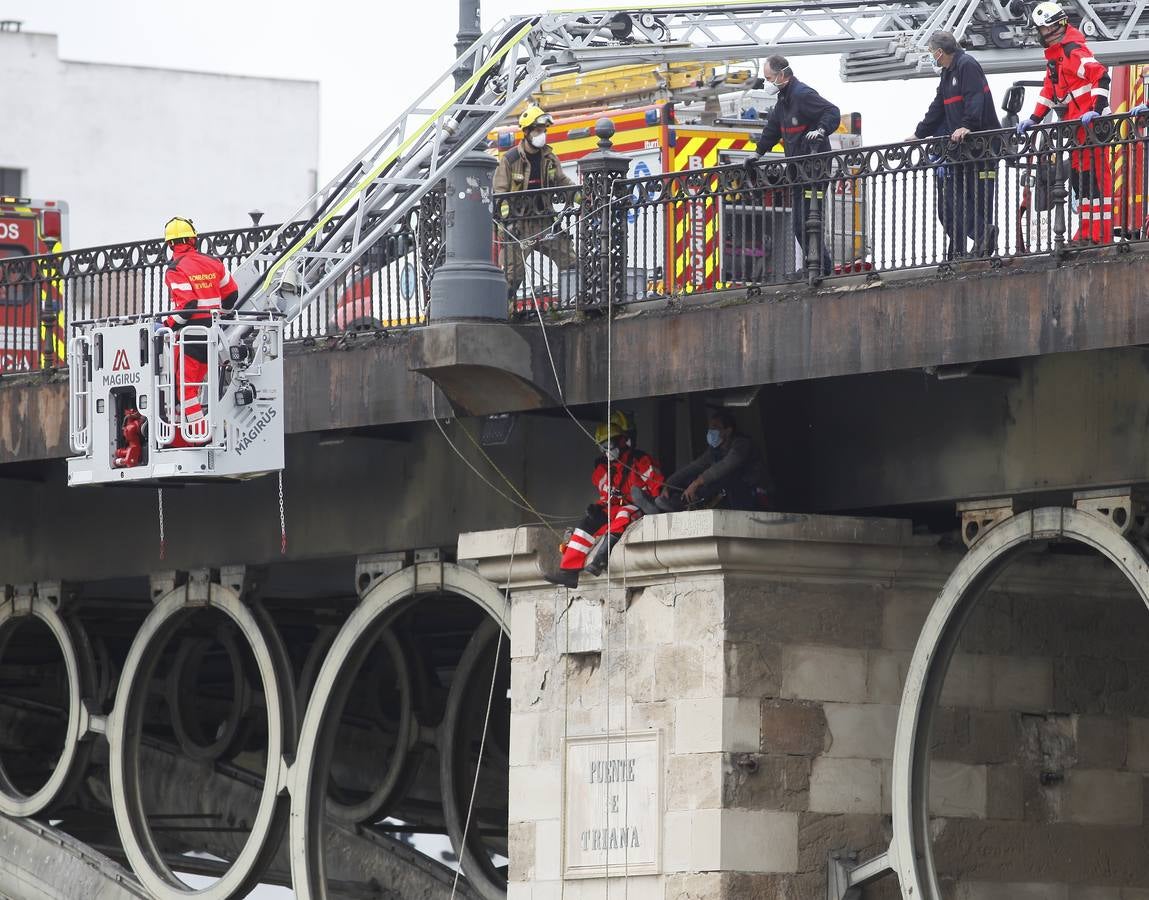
[[714, 438]]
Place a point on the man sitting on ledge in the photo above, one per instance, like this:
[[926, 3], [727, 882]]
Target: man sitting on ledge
[[731, 467]]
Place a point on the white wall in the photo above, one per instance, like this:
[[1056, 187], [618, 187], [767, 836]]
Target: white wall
[[128, 147]]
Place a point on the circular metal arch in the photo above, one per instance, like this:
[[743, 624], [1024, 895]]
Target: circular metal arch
[[911, 850], [398, 773], [79, 672], [185, 725], [375, 612], [456, 789], [124, 731]]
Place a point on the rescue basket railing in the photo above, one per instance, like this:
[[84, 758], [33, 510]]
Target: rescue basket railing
[[615, 239], [80, 377]]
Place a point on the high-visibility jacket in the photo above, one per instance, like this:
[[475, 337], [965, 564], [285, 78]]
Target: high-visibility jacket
[[632, 468], [197, 282], [1076, 79]]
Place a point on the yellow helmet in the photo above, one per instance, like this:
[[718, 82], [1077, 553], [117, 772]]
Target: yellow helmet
[[619, 425], [535, 115], [179, 229]]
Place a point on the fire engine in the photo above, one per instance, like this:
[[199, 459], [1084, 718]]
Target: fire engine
[[376, 193], [32, 331], [715, 120]]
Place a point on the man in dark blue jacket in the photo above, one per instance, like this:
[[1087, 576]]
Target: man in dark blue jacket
[[963, 104], [803, 119]]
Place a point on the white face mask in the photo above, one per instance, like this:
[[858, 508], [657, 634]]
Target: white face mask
[[770, 89], [538, 141]]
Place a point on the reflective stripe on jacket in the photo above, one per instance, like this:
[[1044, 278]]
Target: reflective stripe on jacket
[[1073, 77], [963, 100], [197, 282]]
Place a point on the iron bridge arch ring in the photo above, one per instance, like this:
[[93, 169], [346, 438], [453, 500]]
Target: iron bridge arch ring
[[77, 672], [123, 734], [375, 611], [911, 853]]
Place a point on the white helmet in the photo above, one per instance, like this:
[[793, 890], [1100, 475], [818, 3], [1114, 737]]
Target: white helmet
[[1048, 13]]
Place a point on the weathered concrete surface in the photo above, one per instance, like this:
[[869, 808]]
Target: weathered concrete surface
[[771, 652], [343, 498], [1019, 311], [1050, 423], [38, 862]]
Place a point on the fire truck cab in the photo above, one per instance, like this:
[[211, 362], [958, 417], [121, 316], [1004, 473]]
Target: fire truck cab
[[32, 334]]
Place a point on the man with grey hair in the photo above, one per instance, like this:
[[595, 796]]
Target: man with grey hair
[[966, 188]]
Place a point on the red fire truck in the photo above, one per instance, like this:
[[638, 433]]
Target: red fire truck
[[32, 333]]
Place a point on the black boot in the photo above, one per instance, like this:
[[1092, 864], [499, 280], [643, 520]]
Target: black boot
[[596, 562], [564, 578]]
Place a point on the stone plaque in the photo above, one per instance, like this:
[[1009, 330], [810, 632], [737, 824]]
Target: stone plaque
[[612, 805]]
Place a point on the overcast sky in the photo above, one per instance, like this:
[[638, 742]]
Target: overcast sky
[[370, 60]]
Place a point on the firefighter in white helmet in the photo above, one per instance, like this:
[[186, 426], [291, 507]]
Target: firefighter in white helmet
[[1076, 79], [531, 165]]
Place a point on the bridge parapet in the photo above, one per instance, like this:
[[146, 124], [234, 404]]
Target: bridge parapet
[[876, 211]]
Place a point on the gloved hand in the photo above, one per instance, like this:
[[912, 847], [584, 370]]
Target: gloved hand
[[1024, 125], [1089, 117], [750, 163], [1139, 110], [815, 136]]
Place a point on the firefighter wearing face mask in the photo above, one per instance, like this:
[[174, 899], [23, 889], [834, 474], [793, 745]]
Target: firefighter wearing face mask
[[803, 120], [531, 165], [1076, 79], [618, 473]]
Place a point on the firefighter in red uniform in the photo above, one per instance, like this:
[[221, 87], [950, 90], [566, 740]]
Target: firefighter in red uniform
[[619, 470], [198, 285], [1074, 78]]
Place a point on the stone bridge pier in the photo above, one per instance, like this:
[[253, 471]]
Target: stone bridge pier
[[791, 707]]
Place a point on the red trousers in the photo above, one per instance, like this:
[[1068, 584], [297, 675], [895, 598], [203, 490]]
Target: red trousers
[[1092, 179], [191, 379], [593, 525]]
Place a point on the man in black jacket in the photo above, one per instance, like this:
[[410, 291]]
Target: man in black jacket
[[966, 186], [803, 119]]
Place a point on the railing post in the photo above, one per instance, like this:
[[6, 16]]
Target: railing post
[[813, 206], [1059, 197], [468, 285], [602, 244]]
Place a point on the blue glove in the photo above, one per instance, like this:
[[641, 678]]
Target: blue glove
[[1139, 110], [1089, 117], [1023, 125]]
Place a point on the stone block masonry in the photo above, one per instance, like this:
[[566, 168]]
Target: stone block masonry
[[769, 653]]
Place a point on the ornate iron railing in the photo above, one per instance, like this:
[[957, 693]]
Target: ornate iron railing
[[928, 203], [617, 240], [39, 295]]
